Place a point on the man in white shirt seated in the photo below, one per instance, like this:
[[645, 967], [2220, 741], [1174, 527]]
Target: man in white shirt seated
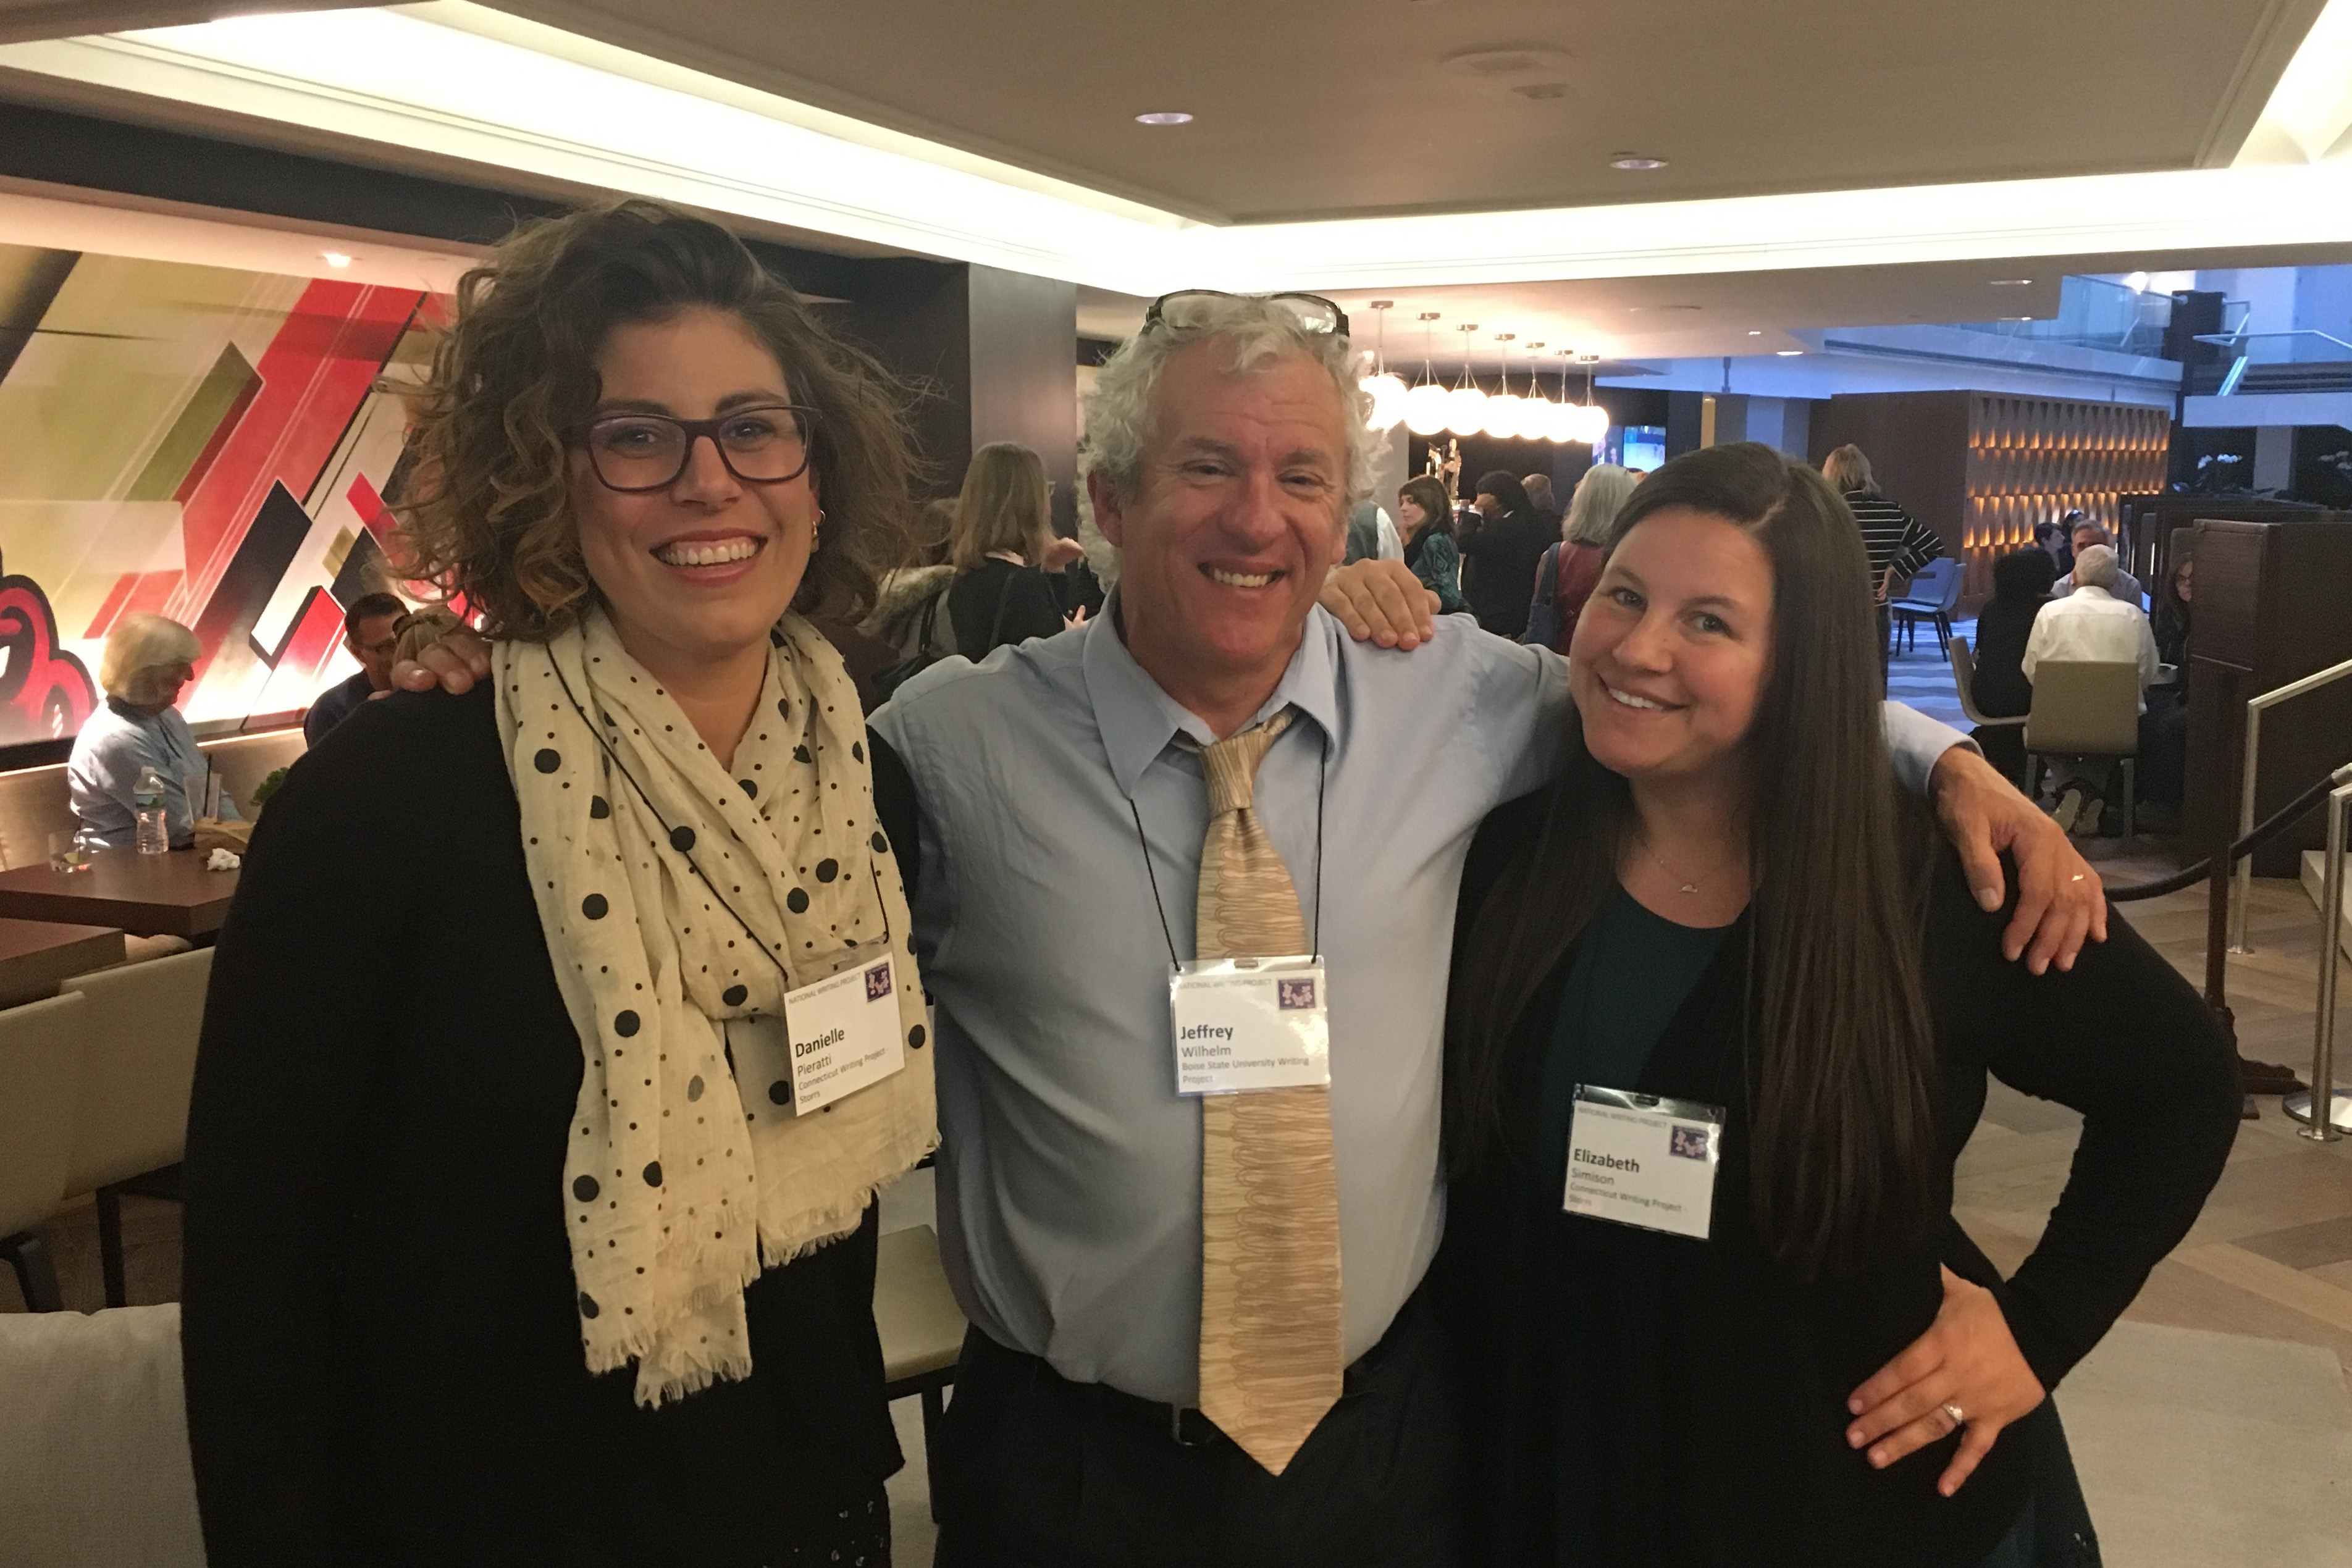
[[2125, 588], [2092, 623]]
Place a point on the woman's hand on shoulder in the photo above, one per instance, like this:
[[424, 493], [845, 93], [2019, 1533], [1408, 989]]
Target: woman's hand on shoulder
[[1381, 601], [1968, 1360], [453, 663]]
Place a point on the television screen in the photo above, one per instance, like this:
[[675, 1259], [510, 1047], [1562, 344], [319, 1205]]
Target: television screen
[[1642, 447]]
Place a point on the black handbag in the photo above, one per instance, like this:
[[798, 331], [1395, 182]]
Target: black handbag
[[887, 680]]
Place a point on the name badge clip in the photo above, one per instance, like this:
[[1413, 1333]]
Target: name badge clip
[[1644, 1160]]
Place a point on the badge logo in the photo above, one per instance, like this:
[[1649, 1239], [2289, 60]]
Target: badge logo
[[1293, 995], [877, 981], [1690, 1143]]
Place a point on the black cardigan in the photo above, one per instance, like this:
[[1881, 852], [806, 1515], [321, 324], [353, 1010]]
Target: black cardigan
[[1716, 1407], [383, 1349]]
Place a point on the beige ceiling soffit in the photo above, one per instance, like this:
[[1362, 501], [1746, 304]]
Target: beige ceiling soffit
[[22, 21], [390, 79], [46, 91], [592, 37], [2309, 113], [62, 217], [2269, 50]]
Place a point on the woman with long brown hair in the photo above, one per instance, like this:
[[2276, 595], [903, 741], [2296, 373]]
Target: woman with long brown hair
[[999, 545], [507, 1237], [1721, 1016]]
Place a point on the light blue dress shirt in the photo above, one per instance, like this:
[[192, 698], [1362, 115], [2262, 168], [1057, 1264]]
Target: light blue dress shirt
[[102, 775], [1069, 1182]]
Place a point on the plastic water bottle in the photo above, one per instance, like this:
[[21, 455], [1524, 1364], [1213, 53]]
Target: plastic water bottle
[[147, 795]]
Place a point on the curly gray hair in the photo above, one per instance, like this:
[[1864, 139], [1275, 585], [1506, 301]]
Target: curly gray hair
[[1261, 330]]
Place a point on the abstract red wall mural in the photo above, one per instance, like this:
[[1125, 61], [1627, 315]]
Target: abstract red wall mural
[[212, 446]]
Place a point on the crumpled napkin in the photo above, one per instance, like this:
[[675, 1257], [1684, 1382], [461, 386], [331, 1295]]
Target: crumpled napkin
[[222, 860]]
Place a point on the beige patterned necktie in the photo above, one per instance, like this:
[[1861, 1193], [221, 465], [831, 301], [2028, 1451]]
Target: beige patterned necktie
[[1272, 1339]]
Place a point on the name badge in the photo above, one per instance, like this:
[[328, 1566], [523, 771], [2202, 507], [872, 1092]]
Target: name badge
[[1642, 1159], [844, 1033], [1250, 1023]]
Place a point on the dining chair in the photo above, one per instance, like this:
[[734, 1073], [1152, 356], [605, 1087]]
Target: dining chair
[[1931, 596], [138, 1064], [40, 1074], [921, 1326], [1964, 676], [2085, 707]]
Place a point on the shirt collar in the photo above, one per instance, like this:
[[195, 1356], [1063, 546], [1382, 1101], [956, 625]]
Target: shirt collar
[[1138, 719]]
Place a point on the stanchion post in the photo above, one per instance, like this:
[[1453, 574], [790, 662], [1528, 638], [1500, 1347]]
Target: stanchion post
[[2217, 946], [2243, 878], [2322, 1124]]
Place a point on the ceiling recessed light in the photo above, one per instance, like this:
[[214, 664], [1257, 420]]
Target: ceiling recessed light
[[1164, 117], [1788, 353], [335, 258], [2011, 282], [1634, 161], [1756, 332]]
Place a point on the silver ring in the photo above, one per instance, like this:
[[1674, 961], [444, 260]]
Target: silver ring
[[1958, 1421]]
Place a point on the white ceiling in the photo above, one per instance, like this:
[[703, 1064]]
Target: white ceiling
[[1318, 108], [1698, 259]]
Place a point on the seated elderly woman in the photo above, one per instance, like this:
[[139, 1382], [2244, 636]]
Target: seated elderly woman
[[147, 662]]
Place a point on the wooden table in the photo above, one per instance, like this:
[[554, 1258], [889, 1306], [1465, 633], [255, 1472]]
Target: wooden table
[[147, 895], [36, 955]]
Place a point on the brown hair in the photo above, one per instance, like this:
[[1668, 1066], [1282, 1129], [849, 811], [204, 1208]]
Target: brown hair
[[1003, 506], [1839, 1056], [1430, 496], [489, 516]]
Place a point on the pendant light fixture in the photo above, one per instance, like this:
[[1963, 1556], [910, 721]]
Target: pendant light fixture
[[1465, 405], [1503, 408], [1424, 405], [1386, 387]]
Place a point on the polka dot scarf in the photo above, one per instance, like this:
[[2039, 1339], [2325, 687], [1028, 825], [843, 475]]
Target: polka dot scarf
[[687, 1170]]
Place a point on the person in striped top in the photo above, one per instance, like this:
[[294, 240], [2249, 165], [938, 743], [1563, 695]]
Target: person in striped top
[[1900, 545]]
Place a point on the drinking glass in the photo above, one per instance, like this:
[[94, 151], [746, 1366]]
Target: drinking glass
[[66, 852]]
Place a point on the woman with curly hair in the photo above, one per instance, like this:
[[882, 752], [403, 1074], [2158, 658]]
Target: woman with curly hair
[[543, 1260]]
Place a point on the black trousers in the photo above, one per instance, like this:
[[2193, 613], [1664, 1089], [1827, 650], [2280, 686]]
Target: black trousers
[[1031, 1470]]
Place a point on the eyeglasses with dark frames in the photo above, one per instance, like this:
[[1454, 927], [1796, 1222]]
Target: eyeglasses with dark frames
[[761, 443], [1315, 313]]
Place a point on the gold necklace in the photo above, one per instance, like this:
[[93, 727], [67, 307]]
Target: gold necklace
[[1683, 884]]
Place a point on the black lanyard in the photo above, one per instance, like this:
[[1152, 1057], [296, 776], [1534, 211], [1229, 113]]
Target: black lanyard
[[1159, 907]]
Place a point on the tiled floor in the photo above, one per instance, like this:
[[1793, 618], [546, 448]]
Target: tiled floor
[[2272, 1255], [1922, 678]]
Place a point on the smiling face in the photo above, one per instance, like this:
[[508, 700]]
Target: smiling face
[[1237, 518], [697, 572], [1673, 648]]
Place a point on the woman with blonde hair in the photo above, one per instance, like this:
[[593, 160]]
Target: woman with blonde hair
[[568, 1256], [999, 545], [149, 660]]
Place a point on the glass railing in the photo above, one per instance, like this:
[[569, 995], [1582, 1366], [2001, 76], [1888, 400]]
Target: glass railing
[[2304, 346], [2094, 313]]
